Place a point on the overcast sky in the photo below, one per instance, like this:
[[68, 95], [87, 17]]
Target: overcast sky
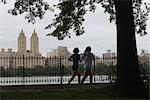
[[100, 34]]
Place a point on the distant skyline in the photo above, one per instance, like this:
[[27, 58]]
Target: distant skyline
[[100, 34]]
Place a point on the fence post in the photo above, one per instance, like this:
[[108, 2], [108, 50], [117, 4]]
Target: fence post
[[60, 72], [23, 71], [94, 71]]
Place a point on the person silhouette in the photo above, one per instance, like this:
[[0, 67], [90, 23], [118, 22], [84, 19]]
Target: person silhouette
[[88, 57], [75, 58]]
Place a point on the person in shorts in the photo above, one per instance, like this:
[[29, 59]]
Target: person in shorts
[[88, 57], [75, 58]]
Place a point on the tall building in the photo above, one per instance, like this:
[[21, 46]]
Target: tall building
[[34, 43], [22, 42], [23, 58]]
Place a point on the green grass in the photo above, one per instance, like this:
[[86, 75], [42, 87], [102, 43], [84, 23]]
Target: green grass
[[57, 94], [98, 93]]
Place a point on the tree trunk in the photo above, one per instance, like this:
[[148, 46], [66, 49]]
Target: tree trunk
[[128, 72]]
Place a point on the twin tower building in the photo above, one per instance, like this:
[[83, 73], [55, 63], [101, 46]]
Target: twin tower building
[[23, 57], [32, 57], [34, 43]]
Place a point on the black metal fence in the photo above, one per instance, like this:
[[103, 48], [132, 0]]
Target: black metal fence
[[24, 70]]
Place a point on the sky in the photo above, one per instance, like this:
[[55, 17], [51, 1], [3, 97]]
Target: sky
[[100, 34]]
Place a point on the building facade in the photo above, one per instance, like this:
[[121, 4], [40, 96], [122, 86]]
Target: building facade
[[23, 58], [6, 57], [58, 57], [34, 43], [59, 52], [144, 57], [22, 42], [109, 58]]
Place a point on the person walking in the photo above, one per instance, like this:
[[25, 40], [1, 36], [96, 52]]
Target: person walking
[[88, 57], [75, 58]]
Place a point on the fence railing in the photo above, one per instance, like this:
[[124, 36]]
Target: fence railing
[[57, 70]]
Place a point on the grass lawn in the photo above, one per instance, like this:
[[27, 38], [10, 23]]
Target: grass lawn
[[82, 93]]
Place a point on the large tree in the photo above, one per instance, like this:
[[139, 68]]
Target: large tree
[[128, 76], [130, 17]]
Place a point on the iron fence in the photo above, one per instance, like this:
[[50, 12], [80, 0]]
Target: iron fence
[[24, 70]]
